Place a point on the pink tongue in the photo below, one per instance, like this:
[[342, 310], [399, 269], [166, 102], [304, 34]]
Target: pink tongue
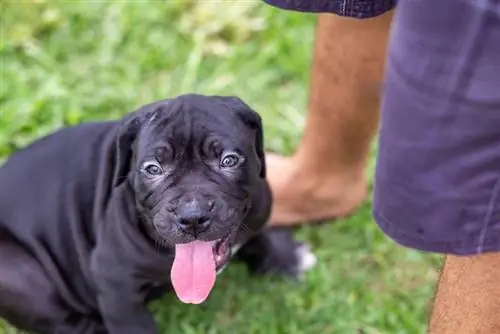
[[193, 272]]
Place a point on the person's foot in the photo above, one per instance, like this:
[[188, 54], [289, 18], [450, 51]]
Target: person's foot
[[301, 195]]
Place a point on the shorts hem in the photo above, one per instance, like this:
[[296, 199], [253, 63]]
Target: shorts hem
[[355, 9], [459, 247]]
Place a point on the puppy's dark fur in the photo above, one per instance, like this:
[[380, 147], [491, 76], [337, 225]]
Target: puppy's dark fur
[[87, 230]]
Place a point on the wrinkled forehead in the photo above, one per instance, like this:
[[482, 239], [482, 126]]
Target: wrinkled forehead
[[184, 124]]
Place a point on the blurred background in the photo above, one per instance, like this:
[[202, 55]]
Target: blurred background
[[65, 62]]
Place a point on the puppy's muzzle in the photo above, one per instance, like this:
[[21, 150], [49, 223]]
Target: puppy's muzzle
[[194, 215]]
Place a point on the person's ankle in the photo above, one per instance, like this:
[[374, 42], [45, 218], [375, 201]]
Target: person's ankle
[[301, 194], [335, 190], [323, 179], [295, 177]]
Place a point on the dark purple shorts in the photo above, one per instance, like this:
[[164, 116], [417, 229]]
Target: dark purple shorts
[[351, 8], [437, 183]]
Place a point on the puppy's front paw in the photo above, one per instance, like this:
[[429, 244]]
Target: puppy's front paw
[[277, 252], [306, 260]]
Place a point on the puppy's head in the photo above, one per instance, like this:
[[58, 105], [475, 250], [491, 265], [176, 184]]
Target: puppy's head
[[196, 164]]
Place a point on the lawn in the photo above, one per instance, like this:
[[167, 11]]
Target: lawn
[[65, 62]]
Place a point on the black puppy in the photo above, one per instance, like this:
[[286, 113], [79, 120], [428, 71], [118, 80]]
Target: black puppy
[[96, 219]]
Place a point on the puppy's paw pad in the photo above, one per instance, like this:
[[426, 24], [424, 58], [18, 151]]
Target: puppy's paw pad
[[306, 258]]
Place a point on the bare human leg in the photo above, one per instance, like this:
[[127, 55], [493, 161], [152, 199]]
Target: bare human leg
[[325, 178], [468, 296]]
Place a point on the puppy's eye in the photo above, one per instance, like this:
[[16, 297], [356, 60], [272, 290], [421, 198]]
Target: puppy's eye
[[153, 169], [229, 160]]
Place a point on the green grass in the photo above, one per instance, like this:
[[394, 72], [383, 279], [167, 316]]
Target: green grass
[[66, 62]]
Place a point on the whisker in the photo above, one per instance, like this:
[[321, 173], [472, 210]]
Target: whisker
[[247, 229]]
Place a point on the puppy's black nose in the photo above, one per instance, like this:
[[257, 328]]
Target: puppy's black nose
[[194, 215]]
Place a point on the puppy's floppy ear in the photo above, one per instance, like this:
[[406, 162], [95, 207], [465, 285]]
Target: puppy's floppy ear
[[128, 131], [253, 120]]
